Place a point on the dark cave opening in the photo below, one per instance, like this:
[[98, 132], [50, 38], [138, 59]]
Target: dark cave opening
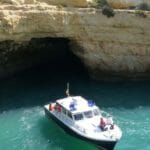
[[48, 64], [43, 54], [42, 67], [53, 56]]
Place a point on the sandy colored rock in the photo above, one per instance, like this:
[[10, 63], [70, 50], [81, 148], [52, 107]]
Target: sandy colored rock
[[125, 4], [119, 46], [74, 3]]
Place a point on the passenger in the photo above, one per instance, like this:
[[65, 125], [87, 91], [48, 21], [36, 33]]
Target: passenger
[[110, 122], [102, 124], [59, 108]]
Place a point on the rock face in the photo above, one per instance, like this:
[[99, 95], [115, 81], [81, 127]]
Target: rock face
[[125, 4], [74, 3], [117, 46]]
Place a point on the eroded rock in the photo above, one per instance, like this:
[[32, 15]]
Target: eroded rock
[[119, 45]]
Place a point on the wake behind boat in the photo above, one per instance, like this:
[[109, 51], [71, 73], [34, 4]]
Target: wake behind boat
[[83, 119]]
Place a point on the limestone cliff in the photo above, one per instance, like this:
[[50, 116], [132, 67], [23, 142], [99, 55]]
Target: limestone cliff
[[125, 4], [118, 46]]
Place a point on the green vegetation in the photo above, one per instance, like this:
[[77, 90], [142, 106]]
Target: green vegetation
[[106, 8], [108, 11], [101, 3]]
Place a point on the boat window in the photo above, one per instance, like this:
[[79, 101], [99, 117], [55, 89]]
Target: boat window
[[88, 114], [78, 117], [96, 112], [69, 115], [63, 110]]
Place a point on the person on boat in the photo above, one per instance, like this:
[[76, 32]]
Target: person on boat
[[102, 124], [58, 108], [110, 122]]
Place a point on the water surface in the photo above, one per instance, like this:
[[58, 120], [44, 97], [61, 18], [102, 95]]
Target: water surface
[[23, 125]]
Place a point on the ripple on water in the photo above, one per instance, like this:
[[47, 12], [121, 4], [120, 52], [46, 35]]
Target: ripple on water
[[28, 128], [136, 129]]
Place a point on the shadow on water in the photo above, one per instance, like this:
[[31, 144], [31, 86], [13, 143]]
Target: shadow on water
[[125, 94], [39, 85], [47, 81], [36, 86]]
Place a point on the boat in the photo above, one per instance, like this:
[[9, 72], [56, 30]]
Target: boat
[[83, 119]]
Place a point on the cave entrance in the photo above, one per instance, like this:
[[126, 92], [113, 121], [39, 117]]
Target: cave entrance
[[42, 68], [49, 56]]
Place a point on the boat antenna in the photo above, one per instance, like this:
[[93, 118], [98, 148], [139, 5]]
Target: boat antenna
[[67, 91]]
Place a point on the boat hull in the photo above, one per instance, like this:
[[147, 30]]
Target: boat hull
[[107, 145]]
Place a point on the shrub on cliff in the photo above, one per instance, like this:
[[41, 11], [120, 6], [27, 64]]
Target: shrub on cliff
[[108, 11], [101, 3]]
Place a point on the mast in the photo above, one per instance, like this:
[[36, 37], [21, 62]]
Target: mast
[[67, 90]]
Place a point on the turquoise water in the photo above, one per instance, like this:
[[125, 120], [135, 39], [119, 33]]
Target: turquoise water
[[23, 125]]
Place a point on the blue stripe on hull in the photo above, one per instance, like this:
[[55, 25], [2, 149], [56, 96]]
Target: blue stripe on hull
[[101, 144]]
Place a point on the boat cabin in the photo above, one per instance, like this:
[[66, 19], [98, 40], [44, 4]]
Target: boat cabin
[[77, 108]]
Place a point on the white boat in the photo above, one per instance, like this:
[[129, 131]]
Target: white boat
[[83, 119]]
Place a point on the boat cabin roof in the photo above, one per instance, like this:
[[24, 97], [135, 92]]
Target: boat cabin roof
[[76, 104]]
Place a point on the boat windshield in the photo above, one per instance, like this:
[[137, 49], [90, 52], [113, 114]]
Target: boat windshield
[[88, 114], [78, 117]]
